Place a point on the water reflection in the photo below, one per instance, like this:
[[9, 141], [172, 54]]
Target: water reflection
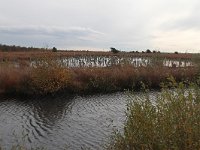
[[51, 110], [56, 122], [106, 61]]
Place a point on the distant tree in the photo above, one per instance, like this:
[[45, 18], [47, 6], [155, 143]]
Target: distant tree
[[13, 48], [176, 52], [114, 50], [148, 51], [54, 49], [154, 51]]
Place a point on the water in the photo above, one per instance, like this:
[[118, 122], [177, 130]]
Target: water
[[55, 123], [100, 61], [107, 61], [59, 122]]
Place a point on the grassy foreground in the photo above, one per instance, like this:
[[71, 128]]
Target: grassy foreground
[[172, 121]]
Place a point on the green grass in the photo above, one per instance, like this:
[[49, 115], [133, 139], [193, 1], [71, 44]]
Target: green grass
[[172, 121]]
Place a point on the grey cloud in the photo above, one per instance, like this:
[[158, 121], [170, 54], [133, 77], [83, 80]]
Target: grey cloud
[[49, 31], [187, 23], [41, 35], [191, 20]]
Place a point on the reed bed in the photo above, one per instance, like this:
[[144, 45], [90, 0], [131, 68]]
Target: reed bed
[[50, 76], [126, 78], [31, 55], [171, 121], [13, 80], [99, 60], [106, 72]]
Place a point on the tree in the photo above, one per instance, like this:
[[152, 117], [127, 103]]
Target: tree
[[54, 49], [148, 51], [114, 50]]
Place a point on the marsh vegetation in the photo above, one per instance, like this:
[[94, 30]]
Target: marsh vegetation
[[171, 121], [46, 72], [168, 121]]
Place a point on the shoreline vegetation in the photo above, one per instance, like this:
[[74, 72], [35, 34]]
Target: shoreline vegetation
[[48, 74], [45, 80], [171, 121]]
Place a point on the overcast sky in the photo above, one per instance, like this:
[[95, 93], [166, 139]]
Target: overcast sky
[[165, 25]]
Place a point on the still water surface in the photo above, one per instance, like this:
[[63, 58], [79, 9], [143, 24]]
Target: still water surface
[[59, 122]]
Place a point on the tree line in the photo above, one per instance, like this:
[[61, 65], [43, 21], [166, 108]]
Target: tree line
[[9, 48]]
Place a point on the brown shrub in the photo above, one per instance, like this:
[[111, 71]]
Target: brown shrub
[[119, 78], [49, 76]]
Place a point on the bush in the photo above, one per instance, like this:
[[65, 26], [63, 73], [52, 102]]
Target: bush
[[54, 49], [148, 51], [175, 52], [170, 122], [114, 50], [49, 77]]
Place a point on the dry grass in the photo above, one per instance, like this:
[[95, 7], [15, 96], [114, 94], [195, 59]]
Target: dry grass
[[13, 79], [39, 54], [127, 77], [50, 75]]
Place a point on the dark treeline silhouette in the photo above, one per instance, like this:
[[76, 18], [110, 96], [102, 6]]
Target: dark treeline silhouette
[[9, 48], [114, 50]]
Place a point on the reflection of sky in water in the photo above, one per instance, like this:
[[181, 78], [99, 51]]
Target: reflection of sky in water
[[54, 122], [110, 61]]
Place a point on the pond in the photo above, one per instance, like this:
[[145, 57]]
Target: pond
[[107, 61], [72, 122]]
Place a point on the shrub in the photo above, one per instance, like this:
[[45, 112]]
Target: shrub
[[54, 49], [170, 122], [49, 76], [148, 51], [114, 50], [176, 52]]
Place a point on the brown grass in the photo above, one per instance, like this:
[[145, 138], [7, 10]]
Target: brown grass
[[30, 55], [121, 78], [50, 76], [51, 79], [13, 79]]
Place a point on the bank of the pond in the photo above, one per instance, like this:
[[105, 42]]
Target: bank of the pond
[[171, 121], [53, 78]]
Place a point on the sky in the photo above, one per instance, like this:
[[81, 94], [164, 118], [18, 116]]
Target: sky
[[164, 25]]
